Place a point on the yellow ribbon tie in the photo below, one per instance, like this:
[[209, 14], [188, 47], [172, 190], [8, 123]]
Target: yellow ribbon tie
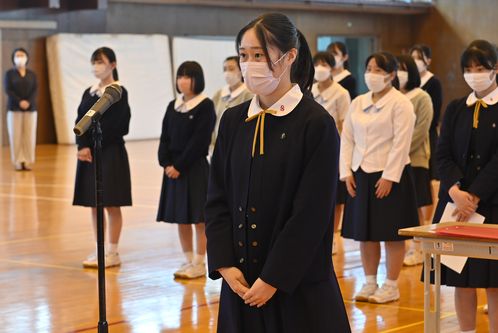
[[260, 127], [477, 109]]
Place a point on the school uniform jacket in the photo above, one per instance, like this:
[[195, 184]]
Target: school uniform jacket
[[453, 150], [271, 216]]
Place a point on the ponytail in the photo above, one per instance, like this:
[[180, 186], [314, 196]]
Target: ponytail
[[115, 74], [303, 71]]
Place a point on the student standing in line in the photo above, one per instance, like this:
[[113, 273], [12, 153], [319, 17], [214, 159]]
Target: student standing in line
[[467, 160], [115, 166], [375, 164], [21, 87], [234, 93], [335, 99], [420, 151], [340, 72], [272, 191], [186, 134], [422, 54]]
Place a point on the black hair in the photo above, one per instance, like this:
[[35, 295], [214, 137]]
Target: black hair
[[387, 62], [19, 49], [423, 50], [480, 52], [109, 54], [277, 30], [407, 62], [325, 57], [333, 47], [193, 70]]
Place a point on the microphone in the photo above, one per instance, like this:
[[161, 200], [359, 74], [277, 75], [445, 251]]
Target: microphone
[[111, 95]]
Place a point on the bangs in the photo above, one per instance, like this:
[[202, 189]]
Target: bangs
[[478, 57]]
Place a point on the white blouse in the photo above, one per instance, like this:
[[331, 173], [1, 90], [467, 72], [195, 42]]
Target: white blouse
[[335, 99], [377, 136]]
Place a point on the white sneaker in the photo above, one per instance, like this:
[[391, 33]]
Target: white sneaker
[[485, 309], [366, 291], [111, 260], [385, 294], [195, 271], [413, 257], [180, 272]]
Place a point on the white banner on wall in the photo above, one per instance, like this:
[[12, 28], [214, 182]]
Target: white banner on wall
[[144, 68], [209, 52]]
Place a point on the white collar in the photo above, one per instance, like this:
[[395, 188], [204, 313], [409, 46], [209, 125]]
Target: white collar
[[413, 93], [490, 99], [367, 102], [324, 94], [283, 106], [227, 94], [341, 76], [427, 77], [96, 89], [182, 106]]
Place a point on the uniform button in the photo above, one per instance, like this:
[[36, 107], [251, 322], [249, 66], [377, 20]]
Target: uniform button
[[241, 244], [254, 244], [255, 261], [240, 209], [253, 226], [253, 209], [241, 226], [478, 156], [241, 260], [471, 156], [478, 168]]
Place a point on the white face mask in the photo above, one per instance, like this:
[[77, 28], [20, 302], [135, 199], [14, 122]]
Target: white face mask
[[232, 78], [403, 79], [421, 66], [20, 61], [100, 71], [376, 82], [259, 78], [479, 81], [322, 73], [338, 61]]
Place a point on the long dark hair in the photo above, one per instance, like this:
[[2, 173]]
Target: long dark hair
[[109, 54], [387, 62], [407, 62], [424, 51], [277, 30], [335, 46], [480, 52]]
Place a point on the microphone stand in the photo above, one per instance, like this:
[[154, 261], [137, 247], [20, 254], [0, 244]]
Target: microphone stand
[[99, 191]]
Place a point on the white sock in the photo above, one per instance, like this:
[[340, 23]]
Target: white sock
[[471, 331], [198, 259], [112, 248], [371, 279], [391, 283], [189, 256]]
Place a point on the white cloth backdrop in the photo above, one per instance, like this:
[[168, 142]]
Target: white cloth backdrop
[[209, 52], [144, 68]]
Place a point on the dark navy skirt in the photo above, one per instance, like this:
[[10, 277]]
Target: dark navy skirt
[[423, 187], [182, 200], [115, 178], [367, 218]]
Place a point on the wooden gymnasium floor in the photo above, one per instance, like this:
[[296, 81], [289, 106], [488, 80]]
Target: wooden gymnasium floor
[[43, 239]]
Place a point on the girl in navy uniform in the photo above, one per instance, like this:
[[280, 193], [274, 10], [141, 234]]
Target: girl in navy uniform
[[467, 160], [340, 71], [335, 99], [186, 134], [271, 193], [375, 164], [420, 151], [115, 166]]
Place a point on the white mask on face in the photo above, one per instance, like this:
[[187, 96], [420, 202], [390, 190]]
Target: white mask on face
[[20, 61], [338, 61], [232, 78], [403, 79], [259, 78], [100, 71], [479, 81], [421, 66], [322, 73], [375, 82]]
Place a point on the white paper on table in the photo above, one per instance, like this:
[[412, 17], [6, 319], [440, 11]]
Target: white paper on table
[[453, 262]]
